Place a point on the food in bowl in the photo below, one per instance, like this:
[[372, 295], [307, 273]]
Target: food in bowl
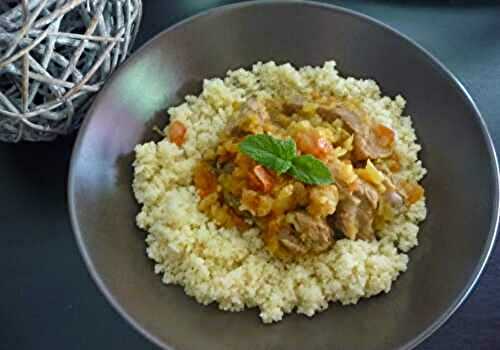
[[282, 189]]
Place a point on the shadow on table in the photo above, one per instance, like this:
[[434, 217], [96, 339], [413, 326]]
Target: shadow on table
[[42, 167]]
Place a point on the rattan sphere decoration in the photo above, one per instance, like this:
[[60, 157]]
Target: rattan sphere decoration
[[54, 56]]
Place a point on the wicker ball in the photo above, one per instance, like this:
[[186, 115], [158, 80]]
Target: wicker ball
[[54, 56]]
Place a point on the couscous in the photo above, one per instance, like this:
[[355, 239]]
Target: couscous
[[283, 189]]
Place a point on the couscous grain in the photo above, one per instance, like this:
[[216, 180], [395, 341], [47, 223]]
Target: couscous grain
[[231, 268]]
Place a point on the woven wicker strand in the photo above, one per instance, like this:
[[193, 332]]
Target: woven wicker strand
[[54, 56]]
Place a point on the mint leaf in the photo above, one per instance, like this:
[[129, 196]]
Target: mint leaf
[[281, 156], [310, 170], [271, 152]]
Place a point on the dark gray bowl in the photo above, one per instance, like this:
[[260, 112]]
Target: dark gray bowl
[[462, 185]]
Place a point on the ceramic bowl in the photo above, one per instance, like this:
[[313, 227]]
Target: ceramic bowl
[[461, 186]]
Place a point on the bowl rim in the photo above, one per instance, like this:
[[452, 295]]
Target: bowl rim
[[447, 74]]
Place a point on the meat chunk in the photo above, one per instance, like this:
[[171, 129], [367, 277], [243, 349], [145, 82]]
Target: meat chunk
[[369, 147], [371, 140], [356, 212], [292, 244], [293, 105], [369, 195], [352, 119], [281, 241], [394, 199], [314, 232], [367, 192], [391, 204], [297, 234]]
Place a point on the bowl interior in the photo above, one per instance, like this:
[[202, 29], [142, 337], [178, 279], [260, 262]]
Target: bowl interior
[[461, 186]]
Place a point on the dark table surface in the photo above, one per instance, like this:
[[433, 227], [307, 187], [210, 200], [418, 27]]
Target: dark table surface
[[47, 298]]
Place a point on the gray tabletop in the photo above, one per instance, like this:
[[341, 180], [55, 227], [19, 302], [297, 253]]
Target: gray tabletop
[[48, 300]]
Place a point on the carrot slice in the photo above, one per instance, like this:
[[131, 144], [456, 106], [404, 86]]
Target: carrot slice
[[177, 132], [385, 135], [312, 143], [204, 179]]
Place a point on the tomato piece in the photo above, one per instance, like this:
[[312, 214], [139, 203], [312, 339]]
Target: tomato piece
[[312, 143], [177, 132], [260, 179]]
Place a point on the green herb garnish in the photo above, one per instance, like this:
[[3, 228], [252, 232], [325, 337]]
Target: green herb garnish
[[310, 170], [273, 153], [281, 156]]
